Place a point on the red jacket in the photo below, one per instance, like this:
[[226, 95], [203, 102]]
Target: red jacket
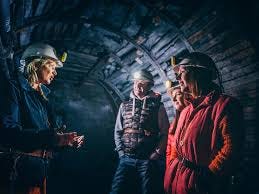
[[209, 135], [170, 143]]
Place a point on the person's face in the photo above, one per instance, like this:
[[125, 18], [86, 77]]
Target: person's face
[[47, 72], [178, 99], [184, 79], [141, 88]]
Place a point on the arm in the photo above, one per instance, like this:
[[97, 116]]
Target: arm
[[163, 124], [118, 133], [12, 134], [231, 131], [168, 149], [170, 142]]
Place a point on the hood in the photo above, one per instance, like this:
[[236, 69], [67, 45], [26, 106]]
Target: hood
[[150, 94]]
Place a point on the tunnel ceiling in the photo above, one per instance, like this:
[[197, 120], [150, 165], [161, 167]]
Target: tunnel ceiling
[[107, 40]]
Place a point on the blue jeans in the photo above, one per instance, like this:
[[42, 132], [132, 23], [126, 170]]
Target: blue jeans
[[131, 170]]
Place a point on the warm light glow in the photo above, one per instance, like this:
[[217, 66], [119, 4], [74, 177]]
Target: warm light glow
[[168, 84], [173, 61], [64, 57], [136, 75]]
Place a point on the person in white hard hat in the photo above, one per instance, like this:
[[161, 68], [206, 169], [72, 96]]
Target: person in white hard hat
[[27, 130], [140, 136]]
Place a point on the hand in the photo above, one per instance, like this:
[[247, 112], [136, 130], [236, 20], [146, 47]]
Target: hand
[[69, 139], [78, 141], [154, 156]]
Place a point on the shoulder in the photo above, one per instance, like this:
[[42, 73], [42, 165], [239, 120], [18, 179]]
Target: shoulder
[[12, 85], [155, 97], [186, 109], [11, 90], [225, 100], [157, 94], [184, 113], [227, 105], [126, 101]]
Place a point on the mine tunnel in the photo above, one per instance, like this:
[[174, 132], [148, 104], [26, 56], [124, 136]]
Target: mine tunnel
[[106, 41]]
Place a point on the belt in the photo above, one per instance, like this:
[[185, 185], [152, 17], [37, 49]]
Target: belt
[[136, 156], [38, 153], [187, 163]]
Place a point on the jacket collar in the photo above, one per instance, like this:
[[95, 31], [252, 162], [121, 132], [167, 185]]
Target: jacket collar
[[26, 86], [150, 94], [207, 100]]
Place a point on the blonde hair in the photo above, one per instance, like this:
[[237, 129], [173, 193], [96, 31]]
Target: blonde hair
[[31, 72]]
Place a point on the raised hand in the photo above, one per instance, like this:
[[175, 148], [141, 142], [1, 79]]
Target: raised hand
[[78, 141], [69, 139]]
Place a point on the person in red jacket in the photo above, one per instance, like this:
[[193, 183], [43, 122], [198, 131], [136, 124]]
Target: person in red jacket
[[208, 136], [178, 101]]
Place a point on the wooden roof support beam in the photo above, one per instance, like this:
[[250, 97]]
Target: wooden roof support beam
[[169, 21]]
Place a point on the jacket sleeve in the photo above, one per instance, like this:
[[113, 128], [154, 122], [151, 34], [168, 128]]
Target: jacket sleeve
[[168, 149], [231, 132], [118, 132], [12, 135], [163, 124], [170, 143]]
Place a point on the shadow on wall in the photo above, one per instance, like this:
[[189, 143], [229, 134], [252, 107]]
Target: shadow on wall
[[87, 110]]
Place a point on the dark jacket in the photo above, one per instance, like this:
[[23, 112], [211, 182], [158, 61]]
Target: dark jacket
[[146, 115], [25, 127], [24, 121]]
